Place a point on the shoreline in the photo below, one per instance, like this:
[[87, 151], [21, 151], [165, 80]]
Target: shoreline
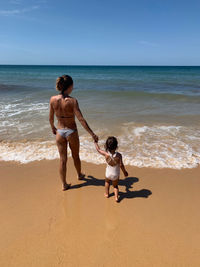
[[15, 163], [156, 223]]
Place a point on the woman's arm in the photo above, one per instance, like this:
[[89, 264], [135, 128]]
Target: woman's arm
[[84, 123], [51, 116]]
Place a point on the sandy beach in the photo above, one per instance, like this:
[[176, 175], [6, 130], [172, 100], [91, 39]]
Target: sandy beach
[[156, 222], [83, 80]]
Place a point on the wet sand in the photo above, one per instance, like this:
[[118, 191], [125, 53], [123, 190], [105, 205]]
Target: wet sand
[[156, 223]]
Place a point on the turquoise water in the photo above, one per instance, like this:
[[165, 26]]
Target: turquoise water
[[154, 112]]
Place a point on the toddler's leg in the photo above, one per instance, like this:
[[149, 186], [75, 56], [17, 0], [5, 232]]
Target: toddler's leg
[[107, 187], [116, 189]]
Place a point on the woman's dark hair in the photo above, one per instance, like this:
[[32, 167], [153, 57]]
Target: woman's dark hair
[[63, 83], [111, 143]]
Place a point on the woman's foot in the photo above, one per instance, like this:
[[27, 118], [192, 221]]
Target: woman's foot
[[106, 195], [81, 176], [66, 187], [117, 199]]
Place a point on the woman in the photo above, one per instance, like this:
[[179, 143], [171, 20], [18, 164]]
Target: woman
[[66, 108]]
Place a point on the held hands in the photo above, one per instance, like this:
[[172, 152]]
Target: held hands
[[95, 138]]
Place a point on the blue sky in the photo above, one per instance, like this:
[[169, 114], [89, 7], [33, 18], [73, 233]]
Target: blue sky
[[90, 32]]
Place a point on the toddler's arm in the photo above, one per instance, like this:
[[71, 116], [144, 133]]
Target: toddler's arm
[[123, 167], [99, 150]]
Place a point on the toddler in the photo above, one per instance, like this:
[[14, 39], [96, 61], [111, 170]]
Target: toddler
[[114, 163]]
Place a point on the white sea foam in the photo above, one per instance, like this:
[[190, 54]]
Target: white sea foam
[[14, 109], [23, 120], [143, 146], [26, 151]]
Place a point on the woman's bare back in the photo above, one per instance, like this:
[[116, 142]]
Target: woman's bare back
[[64, 111]]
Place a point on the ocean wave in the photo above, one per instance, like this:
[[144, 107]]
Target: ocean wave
[[191, 96], [158, 146]]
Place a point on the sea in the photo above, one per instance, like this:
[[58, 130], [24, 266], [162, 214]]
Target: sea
[[154, 111]]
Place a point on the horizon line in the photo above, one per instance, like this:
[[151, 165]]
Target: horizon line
[[98, 65]]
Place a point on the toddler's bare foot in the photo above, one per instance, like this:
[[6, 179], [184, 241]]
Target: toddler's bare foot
[[66, 187], [81, 176], [117, 199], [106, 195]]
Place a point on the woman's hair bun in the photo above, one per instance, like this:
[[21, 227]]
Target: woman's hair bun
[[63, 83]]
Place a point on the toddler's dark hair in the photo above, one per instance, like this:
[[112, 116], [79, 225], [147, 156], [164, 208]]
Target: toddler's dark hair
[[111, 143]]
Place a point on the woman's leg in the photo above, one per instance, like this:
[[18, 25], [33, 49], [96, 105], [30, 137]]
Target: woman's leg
[[62, 148], [116, 189], [74, 146], [107, 187]]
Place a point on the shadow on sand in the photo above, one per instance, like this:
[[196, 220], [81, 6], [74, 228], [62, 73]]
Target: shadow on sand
[[127, 183]]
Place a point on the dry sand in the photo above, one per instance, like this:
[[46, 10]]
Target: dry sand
[[156, 223]]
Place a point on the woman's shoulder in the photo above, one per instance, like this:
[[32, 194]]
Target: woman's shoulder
[[58, 97], [55, 97], [74, 99]]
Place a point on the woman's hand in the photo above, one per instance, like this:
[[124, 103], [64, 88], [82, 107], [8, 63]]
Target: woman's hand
[[54, 130], [95, 138]]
